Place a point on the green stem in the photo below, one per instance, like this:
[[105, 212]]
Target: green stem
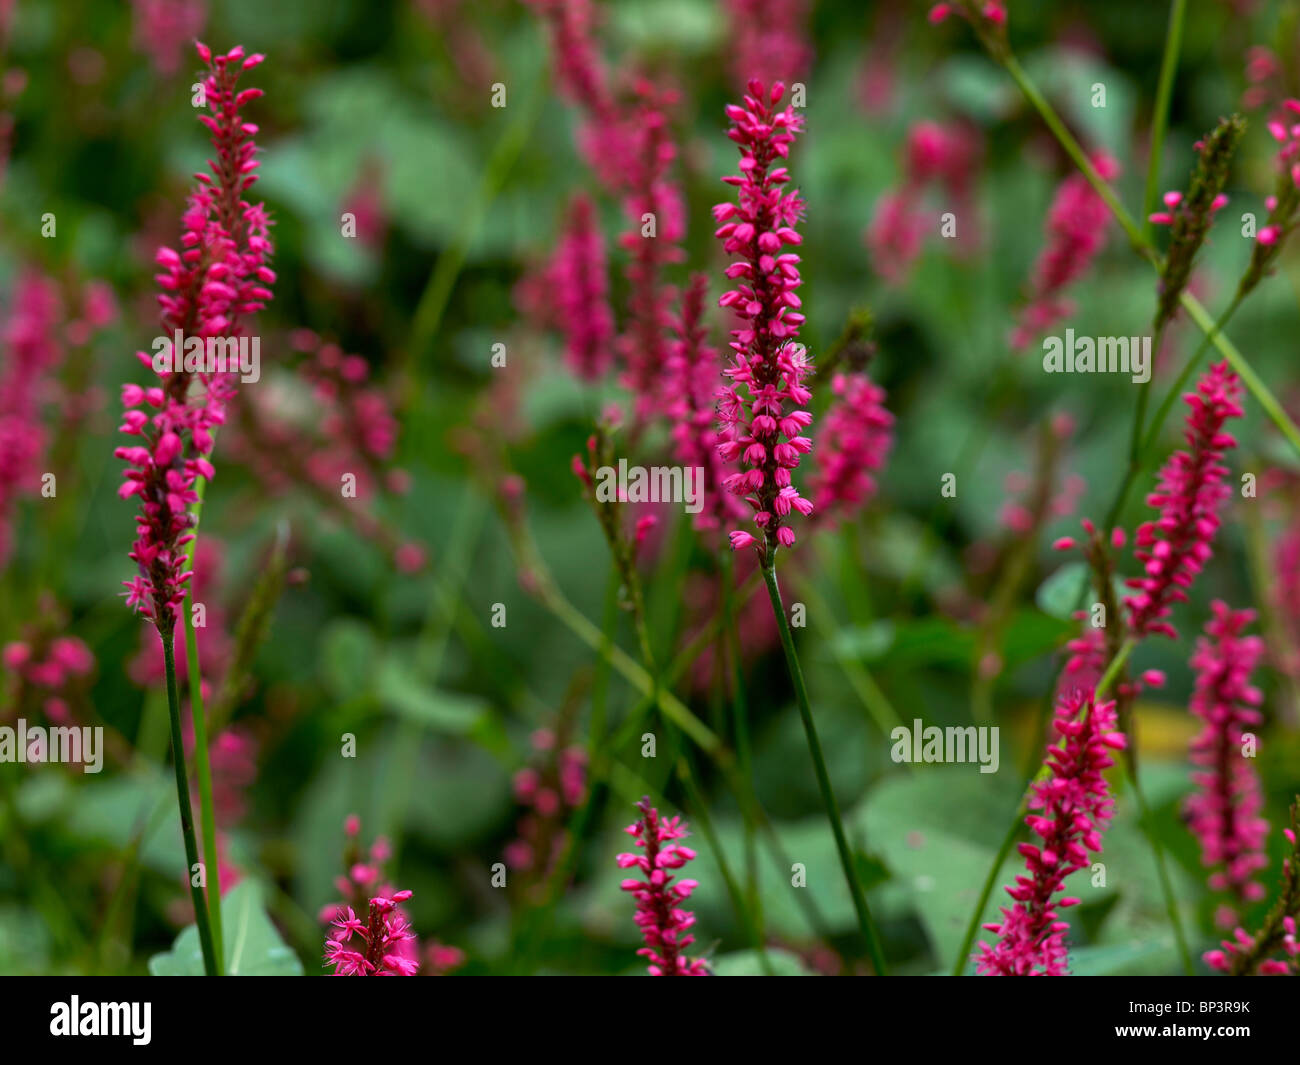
[[1160, 120], [183, 800], [1112, 670], [202, 764], [823, 778], [744, 749]]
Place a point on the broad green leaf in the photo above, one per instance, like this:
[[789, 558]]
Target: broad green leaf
[[253, 947]]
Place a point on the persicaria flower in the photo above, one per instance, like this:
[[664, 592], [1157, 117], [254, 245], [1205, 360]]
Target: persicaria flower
[[851, 448], [374, 946], [692, 377], [769, 39], [1175, 547], [579, 284], [1070, 808], [762, 426], [218, 278], [1076, 232], [1223, 813], [664, 924]]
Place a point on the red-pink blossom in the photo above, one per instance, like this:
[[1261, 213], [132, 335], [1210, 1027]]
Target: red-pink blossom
[[579, 286], [692, 379], [375, 946], [664, 924], [1070, 808], [30, 352], [758, 430], [210, 287], [768, 40], [851, 447], [1076, 231], [164, 29], [657, 221], [1175, 547], [1223, 813]]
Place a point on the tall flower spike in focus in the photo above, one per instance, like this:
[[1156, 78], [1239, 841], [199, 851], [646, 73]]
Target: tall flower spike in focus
[[1175, 547], [1191, 216], [1070, 807], [218, 279], [663, 923], [1223, 813], [762, 425]]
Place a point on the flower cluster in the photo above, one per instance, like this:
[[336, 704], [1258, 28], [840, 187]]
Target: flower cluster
[[1224, 811], [364, 891], [1284, 204], [1070, 808], [1191, 216], [163, 29], [657, 221], [1245, 954], [216, 280], [345, 434], [664, 924], [769, 39], [1076, 232], [938, 156], [30, 349], [691, 381], [1174, 548], [852, 446], [550, 790], [376, 946], [767, 363], [578, 283], [48, 670]]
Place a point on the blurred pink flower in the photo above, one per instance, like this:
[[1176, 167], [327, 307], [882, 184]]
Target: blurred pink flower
[[1224, 811]]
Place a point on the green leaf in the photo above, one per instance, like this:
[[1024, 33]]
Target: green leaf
[[253, 946], [348, 650], [402, 691], [1063, 592]]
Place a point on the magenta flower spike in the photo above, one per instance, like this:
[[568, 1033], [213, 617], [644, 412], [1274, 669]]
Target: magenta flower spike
[[217, 279], [664, 924], [1223, 813], [764, 411], [1175, 547], [375, 946], [1070, 808]]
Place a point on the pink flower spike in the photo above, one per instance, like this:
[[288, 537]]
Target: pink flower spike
[[1069, 807], [659, 915]]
